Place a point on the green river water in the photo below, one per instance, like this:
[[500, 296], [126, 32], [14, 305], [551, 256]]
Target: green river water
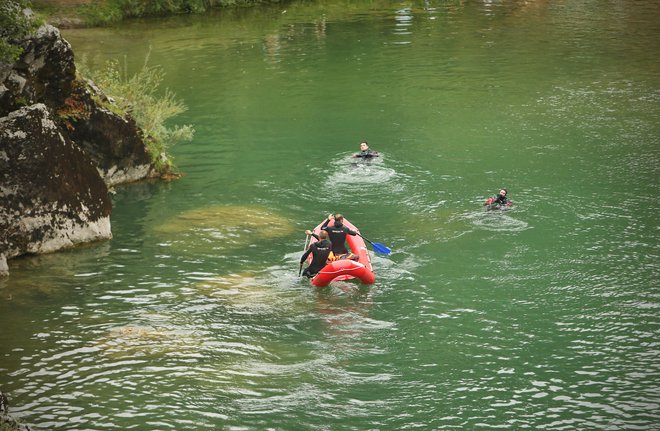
[[543, 317]]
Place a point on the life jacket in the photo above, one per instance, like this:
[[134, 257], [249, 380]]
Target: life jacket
[[350, 256]]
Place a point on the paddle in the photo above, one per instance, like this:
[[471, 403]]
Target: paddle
[[379, 248], [304, 249]]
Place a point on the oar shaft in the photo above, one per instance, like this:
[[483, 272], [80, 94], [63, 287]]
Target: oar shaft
[[366, 239], [304, 249]]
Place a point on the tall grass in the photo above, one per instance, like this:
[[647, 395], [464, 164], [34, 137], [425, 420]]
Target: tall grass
[[140, 96]]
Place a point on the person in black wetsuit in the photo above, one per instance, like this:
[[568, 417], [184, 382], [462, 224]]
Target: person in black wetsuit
[[320, 251], [365, 151], [337, 233], [500, 200]]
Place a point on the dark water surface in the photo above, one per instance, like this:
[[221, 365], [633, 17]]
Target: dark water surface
[[542, 317]]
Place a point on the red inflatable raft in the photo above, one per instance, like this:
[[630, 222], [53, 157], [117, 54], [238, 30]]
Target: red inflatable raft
[[345, 269]]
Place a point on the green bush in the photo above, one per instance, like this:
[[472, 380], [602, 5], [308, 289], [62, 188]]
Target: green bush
[[14, 25], [139, 95]]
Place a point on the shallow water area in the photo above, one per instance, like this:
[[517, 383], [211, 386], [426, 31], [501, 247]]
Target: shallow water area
[[220, 229]]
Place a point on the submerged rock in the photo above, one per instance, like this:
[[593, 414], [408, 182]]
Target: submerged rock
[[139, 341], [253, 292], [218, 228]]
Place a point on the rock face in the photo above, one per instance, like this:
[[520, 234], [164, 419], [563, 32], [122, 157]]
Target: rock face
[[60, 149], [8, 423], [53, 196], [114, 143], [43, 74]]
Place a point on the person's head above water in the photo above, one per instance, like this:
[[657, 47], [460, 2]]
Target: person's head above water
[[503, 192], [364, 146]]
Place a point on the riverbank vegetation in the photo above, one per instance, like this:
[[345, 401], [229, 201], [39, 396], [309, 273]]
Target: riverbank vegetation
[[105, 12], [15, 24], [140, 95]]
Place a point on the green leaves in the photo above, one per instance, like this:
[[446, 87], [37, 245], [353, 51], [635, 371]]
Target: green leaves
[[141, 96], [15, 23]]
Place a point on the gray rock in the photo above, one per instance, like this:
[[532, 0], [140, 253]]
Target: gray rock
[[43, 73], [7, 422], [60, 149], [114, 143], [52, 195], [4, 269]]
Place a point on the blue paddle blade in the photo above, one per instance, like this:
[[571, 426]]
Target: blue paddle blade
[[380, 248]]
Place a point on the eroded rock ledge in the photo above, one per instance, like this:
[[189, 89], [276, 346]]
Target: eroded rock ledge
[[60, 150]]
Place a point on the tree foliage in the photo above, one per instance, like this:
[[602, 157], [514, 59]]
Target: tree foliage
[[15, 23]]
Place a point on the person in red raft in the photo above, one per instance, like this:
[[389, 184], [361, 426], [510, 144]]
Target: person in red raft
[[498, 201], [337, 235], [321, 251]]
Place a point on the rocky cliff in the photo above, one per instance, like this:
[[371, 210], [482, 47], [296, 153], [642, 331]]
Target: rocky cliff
[[7, 422], [60, 149]]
